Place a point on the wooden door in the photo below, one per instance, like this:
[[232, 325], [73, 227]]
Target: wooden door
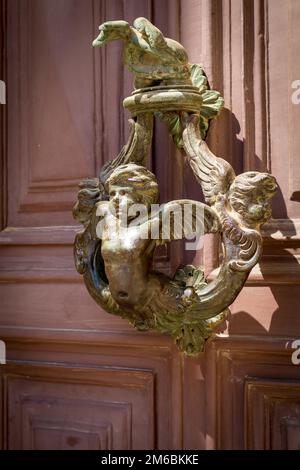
[[76, 377]]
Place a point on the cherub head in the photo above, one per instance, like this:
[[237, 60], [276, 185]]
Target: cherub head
[[131, 184], [250, 196]]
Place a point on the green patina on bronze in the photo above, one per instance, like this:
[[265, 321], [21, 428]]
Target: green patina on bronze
[[117, 271]]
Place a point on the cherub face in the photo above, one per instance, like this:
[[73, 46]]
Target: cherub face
[[121, 198]]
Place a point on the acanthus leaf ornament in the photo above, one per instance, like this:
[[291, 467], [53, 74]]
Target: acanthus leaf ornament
[[117, 269]]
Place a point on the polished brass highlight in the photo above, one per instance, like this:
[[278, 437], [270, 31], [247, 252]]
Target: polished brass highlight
[[117, 271]]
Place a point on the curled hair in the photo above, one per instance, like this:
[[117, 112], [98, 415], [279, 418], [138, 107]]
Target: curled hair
[[137, 177]]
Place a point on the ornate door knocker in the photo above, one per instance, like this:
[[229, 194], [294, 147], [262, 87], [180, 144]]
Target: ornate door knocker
[[123, 221]]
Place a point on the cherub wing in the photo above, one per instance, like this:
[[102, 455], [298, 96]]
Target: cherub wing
[[214, 174], [182, 218]]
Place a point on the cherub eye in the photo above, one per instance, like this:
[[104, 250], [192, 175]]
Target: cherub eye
[[122, 192], [112, 193]]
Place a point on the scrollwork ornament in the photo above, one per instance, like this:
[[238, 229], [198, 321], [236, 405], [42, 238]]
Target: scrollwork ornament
[[114, 253]]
